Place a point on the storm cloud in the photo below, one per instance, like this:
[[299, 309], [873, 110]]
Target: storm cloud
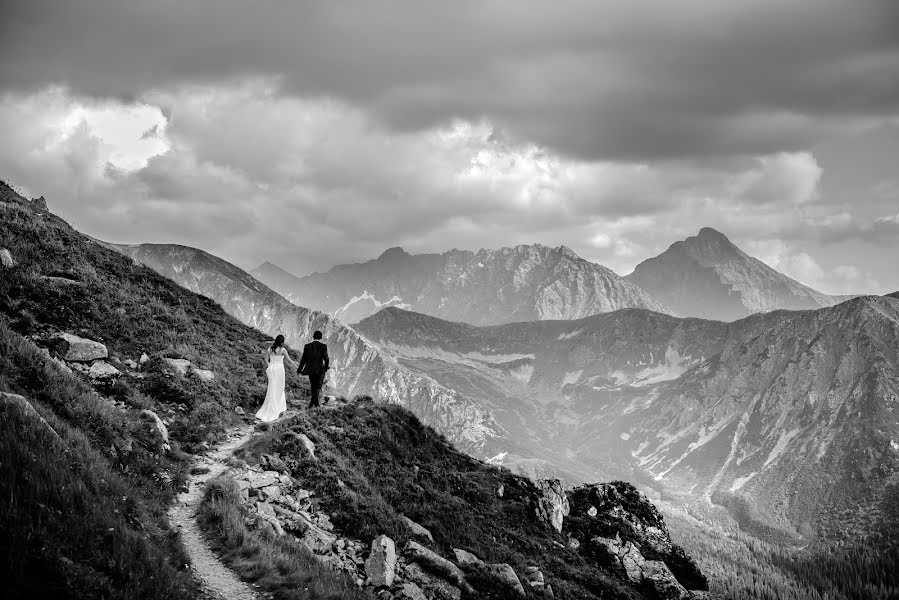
[[588, 79]]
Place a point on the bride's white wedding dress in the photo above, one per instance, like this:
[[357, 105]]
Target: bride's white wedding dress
[[275, 400]]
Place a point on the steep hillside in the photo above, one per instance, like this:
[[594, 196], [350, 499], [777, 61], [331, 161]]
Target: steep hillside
[[483, 518], [708, 276], [786, 417], [358, 367], [488, 287]]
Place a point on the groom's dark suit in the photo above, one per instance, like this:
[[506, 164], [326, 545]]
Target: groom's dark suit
[[314, 363]]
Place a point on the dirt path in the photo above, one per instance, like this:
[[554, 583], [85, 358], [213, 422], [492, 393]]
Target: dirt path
[[218, 580]]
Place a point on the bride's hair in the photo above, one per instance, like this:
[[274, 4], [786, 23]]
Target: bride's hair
[[279, 341]]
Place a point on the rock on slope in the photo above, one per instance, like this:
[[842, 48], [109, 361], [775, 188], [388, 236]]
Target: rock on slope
[[707, 276], [790, 413], [359, 366], [488, 287]]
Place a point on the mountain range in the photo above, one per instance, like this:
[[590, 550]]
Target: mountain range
[[785, 416], [704, 276], [487, 287]]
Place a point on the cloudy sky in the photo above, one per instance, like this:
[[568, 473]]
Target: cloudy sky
[[270, 129]]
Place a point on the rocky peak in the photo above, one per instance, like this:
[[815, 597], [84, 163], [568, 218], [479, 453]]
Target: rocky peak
[[394, 253], [709, 246]]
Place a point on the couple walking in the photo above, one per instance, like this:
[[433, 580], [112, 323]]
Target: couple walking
[[314, 363]]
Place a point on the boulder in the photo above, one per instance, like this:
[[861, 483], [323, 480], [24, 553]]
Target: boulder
[[535, 580], [6, 259], [466, 559], [552, 505], [257, 480], [238, 410], [434, 585], [500, 491], [143, 358], [274, 463], [178, 365], [72, 348], [152, 418], [417, 530], [380, 567], [504, 574], [659, 578], [269, 493], [304, 441], [102, 370], [204, 375], [632, 561], [130, 364], [436, 563], [548, 593]]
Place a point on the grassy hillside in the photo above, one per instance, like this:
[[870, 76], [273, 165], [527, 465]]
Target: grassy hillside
[[83, 514], [376, 462]]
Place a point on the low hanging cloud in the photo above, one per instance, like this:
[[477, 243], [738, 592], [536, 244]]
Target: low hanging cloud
[[595, 80]]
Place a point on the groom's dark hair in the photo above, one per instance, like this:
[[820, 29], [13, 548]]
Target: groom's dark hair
[[317, 335]]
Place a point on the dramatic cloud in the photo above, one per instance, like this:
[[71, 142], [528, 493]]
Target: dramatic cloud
[[586, 78], [268, 130]]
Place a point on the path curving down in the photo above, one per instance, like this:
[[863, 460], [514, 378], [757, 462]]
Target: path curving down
[[218, 580]]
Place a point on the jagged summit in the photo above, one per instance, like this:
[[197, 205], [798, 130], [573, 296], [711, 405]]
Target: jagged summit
[[708, 276], [487, 287]]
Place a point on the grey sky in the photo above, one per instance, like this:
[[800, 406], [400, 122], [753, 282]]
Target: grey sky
[[247, 128]]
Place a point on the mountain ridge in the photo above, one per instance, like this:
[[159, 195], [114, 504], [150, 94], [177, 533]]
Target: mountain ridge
[[524, 282], [708, 276]]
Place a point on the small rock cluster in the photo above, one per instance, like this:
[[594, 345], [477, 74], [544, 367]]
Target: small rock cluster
[[182, 366]]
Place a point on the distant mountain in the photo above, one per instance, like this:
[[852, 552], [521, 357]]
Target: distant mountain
[[708, 276], [524, 283], [783, 417], [358, 366]]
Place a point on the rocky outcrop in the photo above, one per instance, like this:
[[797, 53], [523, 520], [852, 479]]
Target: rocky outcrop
[[418, 530], [505, 575], [619, 527], [552, 506], [102, 371], [524, 283], [437, 564], [658, 578], [72, 348]]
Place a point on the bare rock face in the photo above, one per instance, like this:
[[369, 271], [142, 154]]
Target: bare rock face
[[72, 348], [381, 564], [552, 506]]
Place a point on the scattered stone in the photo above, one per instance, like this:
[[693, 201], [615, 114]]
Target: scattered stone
[[659, 578], [179, 365], [102, 370], [204, 375], [275, 464], [591, 511], [381, 564], [156, 422], [433, 585], [417, 530], [143, 358], [304, 440], [410, 591], [270, 493], [130, 364], [72, 348], [466, 559], [552, 506], [6, 259], [534, 577], [548, 592], [434, 562], [26, 407], [500, 491], [505, 574], [238, 410]]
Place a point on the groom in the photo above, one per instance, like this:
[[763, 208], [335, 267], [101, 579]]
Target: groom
[[314, 363]]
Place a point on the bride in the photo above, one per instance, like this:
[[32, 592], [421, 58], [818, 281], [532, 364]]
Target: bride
[[275, 401]]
